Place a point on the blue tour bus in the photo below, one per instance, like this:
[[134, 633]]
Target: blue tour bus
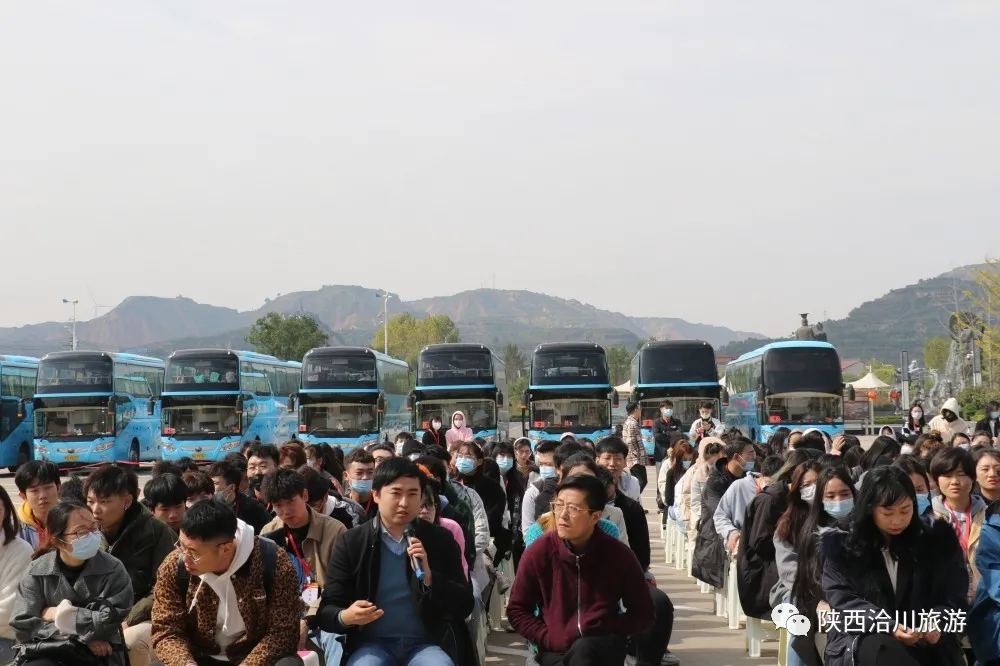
[[215, 400], [18, 375], [681, 371], [569, 390], [351, 397], [461, 377], [794, 384], [93, 407]]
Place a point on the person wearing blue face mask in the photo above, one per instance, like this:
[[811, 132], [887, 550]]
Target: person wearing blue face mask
[[990, 423], [359, 470], [664, 429], [504, 455], [467, 463], [921, 483], [60, 582]]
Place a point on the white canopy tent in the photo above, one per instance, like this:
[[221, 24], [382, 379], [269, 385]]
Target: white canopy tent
[[869, 383], [625, 389]]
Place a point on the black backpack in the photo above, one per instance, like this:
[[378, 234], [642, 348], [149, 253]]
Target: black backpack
[[268, 554]]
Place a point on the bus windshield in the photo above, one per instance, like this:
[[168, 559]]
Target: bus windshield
[[339, 372], [201, 419], [479, 414], [802, 369], [804, 408], [327, 419], [203, 374], [587, 366], [685, 411], [443, 368], [667, 365], [570, 414], [73, 421], [75, 376]]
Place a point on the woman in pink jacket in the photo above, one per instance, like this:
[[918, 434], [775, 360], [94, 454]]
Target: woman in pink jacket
[[459, 431]]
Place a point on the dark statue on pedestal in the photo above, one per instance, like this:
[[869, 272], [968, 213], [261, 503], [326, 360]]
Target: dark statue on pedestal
[[810, 333]]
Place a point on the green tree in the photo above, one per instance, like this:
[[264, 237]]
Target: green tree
[[288, 337], [619, 364], [515, 391], [987, 299], [408, 335], [887, 373], [515, 362], [936, 352]]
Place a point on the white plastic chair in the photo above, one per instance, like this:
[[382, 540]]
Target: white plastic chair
[[759, 631], [734, 611], [671, 536]]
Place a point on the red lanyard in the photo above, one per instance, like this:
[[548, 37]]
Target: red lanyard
[[963, 539], [298, 555]]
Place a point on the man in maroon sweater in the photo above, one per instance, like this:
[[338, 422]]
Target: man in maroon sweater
[[566, 575]]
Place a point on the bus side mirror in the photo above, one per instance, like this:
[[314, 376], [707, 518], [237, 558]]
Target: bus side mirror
[[112, 402], [634, 395], [499, 399], [851, 394], [613, 397], [411, 402], [381, 404], [240, 404], [151, 406], [524, 401], [21, 408], [291, 403], [725, 397]]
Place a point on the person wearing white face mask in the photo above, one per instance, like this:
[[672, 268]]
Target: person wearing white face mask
[[459, 431], [706, 425], [915, 424], [434, 435], [991, 422], [73, 561]]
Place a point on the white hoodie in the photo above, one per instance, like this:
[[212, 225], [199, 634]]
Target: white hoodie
[[15, 558], [229, 625]]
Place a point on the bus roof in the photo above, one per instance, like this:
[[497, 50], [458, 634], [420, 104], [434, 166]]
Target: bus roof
[[675, 344], [20, 360], [568, 346], [333, 352], [787, 344], [90, 355], [239, 354], [455, 346]]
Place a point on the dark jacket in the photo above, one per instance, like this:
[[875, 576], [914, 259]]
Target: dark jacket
[[461, 513], [430, 440], [663, 431], [495, 503], [756, 567], [45, 585], [935, 579], [636, 526], [709, 552], [251, 512], [353, 575], [546, 493], [575, 593], [142, 543], [985, 425]]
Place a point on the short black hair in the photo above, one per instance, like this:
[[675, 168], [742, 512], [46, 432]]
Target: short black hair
[[165, 467], [73, 489], [666, 403], [165, 489], [737, 446], [112, 479], [707, 404], [411, 447], [567, 449], [613, 445], [911, 464], [209, 520], [359, 455], [439, 452], [771, 465], [394, 469], [317, 486], [263, 451], [502, 449], [812, 440], [595, 491], [42, 471], [285, 484], [382, 446], [949, 460], [188, 465], [605, 476], [546, 446], [631, 406], [228, 470], [403, 436], [578, 460], [198, 483]]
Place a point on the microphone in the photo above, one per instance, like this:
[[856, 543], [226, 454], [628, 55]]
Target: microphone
[[409, 534]]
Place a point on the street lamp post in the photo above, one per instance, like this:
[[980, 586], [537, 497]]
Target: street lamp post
[[73, 320], [385, 319]]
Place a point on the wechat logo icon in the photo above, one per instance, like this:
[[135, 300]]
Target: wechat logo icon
[[787, 616]]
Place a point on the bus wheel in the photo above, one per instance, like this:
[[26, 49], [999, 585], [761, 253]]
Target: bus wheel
[[133, 452], [23, 456]]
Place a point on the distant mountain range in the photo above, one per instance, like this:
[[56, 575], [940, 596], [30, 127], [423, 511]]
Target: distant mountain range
[[905, 318], [351, 315]]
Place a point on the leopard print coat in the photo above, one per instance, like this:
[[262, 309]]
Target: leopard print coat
[[272, 623]]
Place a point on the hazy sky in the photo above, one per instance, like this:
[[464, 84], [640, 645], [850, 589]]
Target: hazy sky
[[728, 163]]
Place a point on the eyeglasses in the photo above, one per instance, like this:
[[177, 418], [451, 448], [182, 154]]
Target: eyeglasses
[[570, 510], [189, 554], [79, 534]]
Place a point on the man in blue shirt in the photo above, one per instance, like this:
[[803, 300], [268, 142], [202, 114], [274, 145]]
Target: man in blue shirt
[[395, 586]]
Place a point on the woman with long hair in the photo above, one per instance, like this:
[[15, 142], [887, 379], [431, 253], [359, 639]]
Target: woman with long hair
[[15, 558], [882, 446], [915, 424], [801, 496], [63, 578], [892, 568], [915, 469], [680, 460]]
